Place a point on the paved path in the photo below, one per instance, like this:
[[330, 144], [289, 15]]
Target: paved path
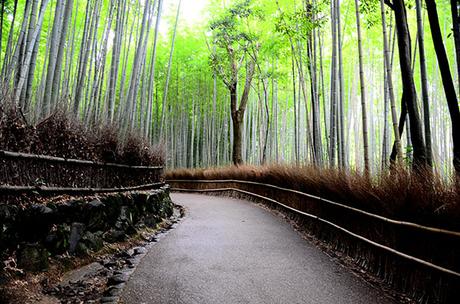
[[232, 251]]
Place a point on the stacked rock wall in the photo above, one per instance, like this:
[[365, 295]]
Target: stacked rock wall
[[78, 226]]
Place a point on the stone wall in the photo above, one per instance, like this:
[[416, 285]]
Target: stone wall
[[78, 226]]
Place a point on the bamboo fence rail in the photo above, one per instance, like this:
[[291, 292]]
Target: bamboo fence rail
[[326, 201], [27, 173], [434, 247]]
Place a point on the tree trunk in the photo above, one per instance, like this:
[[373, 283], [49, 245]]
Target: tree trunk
[[363, 92], [57, 73], [316, 112], [424, 84], [389, 81], [213, 123], [455, 9], [385, 143], [333, 97], [136, 68], [316, 119], [92, 85], [237, 113], [448, 83], [341, 104], [410, 94], [148, 123], [127, 47], [303, 92], [267, 126], [30, 33], [237, 144], [22, 43], [30, 50], [296, 153], [323, 91], [117, 44], [165, 93], [84, 53], [16, 60], [54, 49], [402, 121], [8, 53], [2, 13]]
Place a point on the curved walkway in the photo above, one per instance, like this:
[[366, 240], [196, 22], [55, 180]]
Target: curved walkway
[[231, 251]]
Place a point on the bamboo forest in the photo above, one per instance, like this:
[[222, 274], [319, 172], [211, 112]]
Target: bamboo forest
[[230, 151], [344, 84]]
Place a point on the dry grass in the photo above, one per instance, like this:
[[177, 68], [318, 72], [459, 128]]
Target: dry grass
[[137, 151], [15, 133], [63, 135], [421, 197]]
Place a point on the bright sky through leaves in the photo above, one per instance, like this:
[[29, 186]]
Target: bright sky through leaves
[[193, 11]]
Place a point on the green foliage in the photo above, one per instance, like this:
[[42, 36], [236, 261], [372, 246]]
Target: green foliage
[[408, 155], [371, 11], [230, 34], [297, 25], [233, 40]]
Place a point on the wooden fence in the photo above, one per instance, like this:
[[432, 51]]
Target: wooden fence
[[27, 173]]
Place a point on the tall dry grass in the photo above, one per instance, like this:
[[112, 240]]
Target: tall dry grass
[[61, 134], [423, 197]]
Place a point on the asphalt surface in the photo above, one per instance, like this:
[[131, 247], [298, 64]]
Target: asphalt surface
[[232, 251]]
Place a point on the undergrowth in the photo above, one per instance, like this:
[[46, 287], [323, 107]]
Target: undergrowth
[[423, 197], [61, 134]]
